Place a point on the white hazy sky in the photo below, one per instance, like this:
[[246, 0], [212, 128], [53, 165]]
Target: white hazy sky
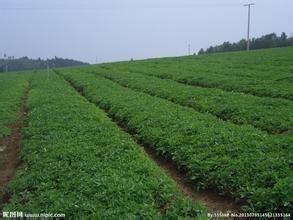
[[110, 30]]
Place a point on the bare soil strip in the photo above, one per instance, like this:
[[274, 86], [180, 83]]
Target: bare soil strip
[[213, 201], [9, 147]]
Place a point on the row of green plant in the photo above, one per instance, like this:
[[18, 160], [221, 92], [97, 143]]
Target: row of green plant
[[262, 88], [271, 115], [227, 72], [76, 161], [239, 161], [269, 64], [12, 87]]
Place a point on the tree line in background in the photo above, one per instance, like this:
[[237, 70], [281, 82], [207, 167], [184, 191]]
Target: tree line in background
[[266, 41], [9, 63]]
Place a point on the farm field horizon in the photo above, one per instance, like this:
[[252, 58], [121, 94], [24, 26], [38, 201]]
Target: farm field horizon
[[162, 137]]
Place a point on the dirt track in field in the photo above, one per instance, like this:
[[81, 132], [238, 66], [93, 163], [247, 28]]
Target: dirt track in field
[[9, 147], [212, 200]]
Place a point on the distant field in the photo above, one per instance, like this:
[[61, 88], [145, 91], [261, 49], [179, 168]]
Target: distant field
[[224, 121], [264, 73]]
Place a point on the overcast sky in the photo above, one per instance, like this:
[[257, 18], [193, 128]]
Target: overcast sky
[[110, 30]]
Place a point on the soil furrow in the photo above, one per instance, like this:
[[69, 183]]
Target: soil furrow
[[9, 147]]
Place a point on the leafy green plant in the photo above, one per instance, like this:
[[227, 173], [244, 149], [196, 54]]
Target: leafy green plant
[[78, 162], [271, 115], [236, 160], [265, 73]]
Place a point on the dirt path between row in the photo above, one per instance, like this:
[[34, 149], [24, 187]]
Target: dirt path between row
[[213, 201], [9, 147]]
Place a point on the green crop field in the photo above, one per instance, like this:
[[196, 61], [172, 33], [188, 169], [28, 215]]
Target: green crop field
[[224, 121]]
